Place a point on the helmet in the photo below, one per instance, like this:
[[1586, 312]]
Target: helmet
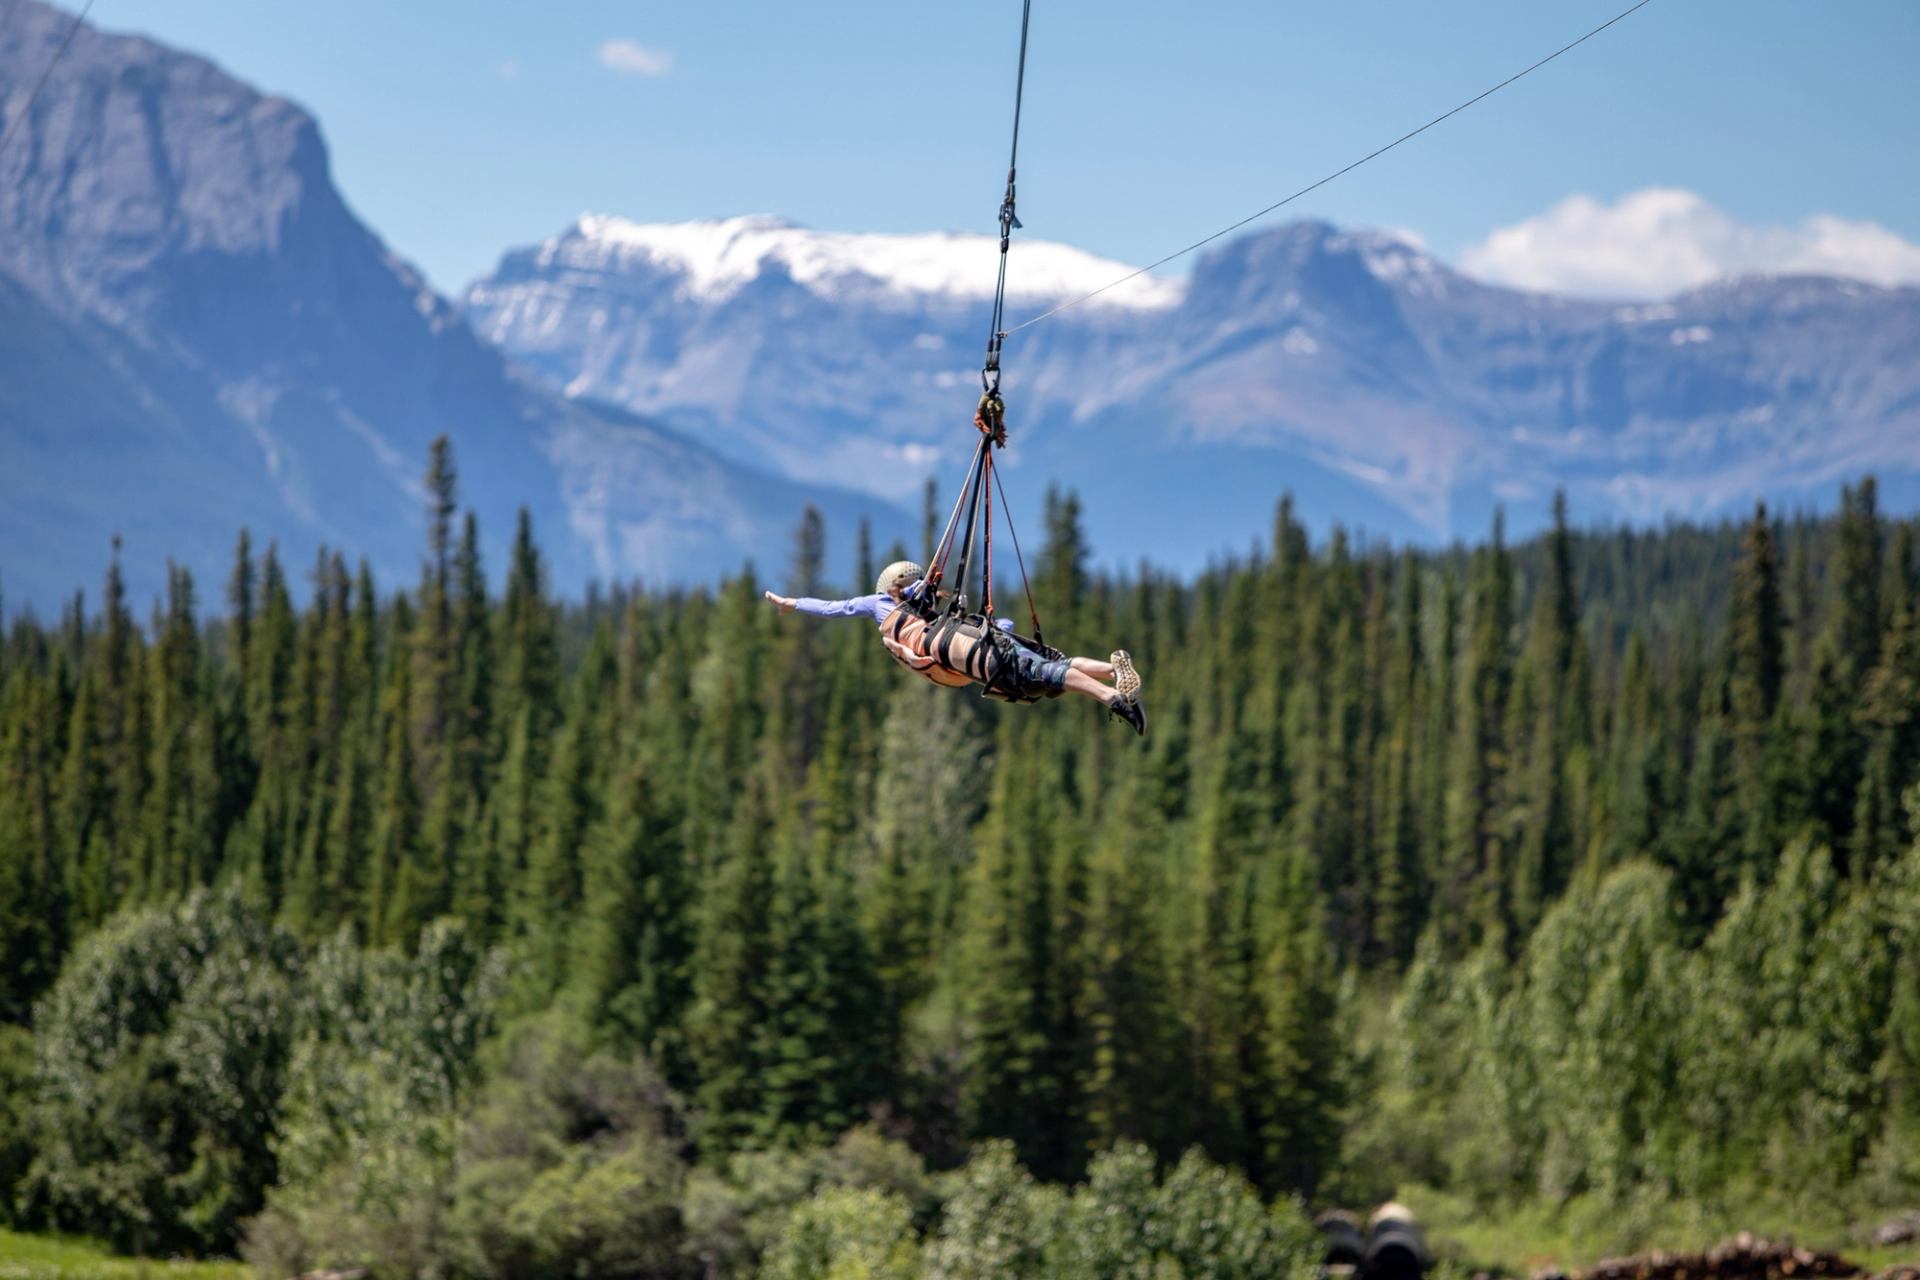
[[898, 576]]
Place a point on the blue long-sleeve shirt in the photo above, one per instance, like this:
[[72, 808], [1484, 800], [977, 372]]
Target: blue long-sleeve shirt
[[879, 607]]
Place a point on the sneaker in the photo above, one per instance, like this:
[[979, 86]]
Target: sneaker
[[1129, 709], [1125, 678]]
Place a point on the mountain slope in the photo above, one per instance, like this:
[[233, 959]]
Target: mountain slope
[[1378, 384], [838, 358], [204, 335]]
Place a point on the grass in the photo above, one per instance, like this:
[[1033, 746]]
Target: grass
[[1525, 1239], [48, 1257]]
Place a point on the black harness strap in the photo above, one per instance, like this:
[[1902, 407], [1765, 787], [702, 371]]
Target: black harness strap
[[937, 569], [993, 661], [1033, 611], [986, 547], [975, 477]]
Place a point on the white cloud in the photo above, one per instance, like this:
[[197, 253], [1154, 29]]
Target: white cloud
[[631, 58], [1657, 241], [508, 69]]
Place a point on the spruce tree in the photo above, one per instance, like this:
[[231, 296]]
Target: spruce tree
[[1019, 932], [396, 816], [727, 1024], [1757, 672], [80, 810], [1131, 1080], [1304, 1047], [550, 890], [1398, 888], [33, 897], [1889, 718], [240, 587], [635, 939], [1858, 571], [1541, 723], [262, 844], [180, 835], [1474, 885], [528, 645], [800, 1067]]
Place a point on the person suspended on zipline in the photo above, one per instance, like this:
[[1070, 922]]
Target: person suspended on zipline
[[955, 651], [937, 637]]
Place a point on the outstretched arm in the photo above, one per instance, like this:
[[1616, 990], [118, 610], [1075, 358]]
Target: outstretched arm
[[857, 607]]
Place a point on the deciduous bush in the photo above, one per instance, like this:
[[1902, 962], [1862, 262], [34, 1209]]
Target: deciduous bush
[[161, 1054], [846, 1233], [385, 1046]]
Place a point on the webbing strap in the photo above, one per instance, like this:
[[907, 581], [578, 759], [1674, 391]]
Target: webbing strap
[[966, 538], [937, 569], [986, 560], [1025, 585]]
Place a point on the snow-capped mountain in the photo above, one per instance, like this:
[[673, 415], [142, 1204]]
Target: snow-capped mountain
[[197, 334], [838, 358], [1381, 386], [713, 260]]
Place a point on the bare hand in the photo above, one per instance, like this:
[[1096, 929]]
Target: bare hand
[[783, 603], [907, 657]]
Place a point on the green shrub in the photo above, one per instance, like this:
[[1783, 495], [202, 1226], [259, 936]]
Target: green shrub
[[385, 1049], [160, 1058], [612, 1217], [16, 1112], [846, 1233], [736, 1216], [1216, 1226], [998, 1224], [1115, 1224]]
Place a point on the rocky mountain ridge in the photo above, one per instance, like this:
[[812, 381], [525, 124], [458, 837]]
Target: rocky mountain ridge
[[197, 333], [1383, 387]]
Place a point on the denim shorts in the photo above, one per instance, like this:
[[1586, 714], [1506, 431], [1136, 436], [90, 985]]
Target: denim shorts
[[1032, 671]]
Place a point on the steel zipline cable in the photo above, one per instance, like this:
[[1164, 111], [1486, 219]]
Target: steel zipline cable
[[78, 18], [1008, 221], [1371, 155]]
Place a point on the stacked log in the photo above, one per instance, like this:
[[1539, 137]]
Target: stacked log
[[1745, 1257]]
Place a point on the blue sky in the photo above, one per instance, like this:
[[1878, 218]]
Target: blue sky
[[461, 127]]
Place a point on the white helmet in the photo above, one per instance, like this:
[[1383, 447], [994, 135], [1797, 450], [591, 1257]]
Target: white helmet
[[898, 576]]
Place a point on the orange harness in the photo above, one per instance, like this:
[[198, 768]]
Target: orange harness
[[915, 634], [987, 660]]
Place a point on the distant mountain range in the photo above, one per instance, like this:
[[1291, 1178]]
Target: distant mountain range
[[1382, 387], [197, 334]]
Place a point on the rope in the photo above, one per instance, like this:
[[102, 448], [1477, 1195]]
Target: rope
[[986, 564], [938, 566], [1032, 611], [1371, 155], [990, 371], [966, 537], [57, 55]]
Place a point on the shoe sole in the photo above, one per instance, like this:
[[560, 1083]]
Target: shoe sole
[[1126, 680]]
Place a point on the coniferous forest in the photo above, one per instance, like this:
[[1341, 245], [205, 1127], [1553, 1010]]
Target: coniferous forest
[[449, 929]]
